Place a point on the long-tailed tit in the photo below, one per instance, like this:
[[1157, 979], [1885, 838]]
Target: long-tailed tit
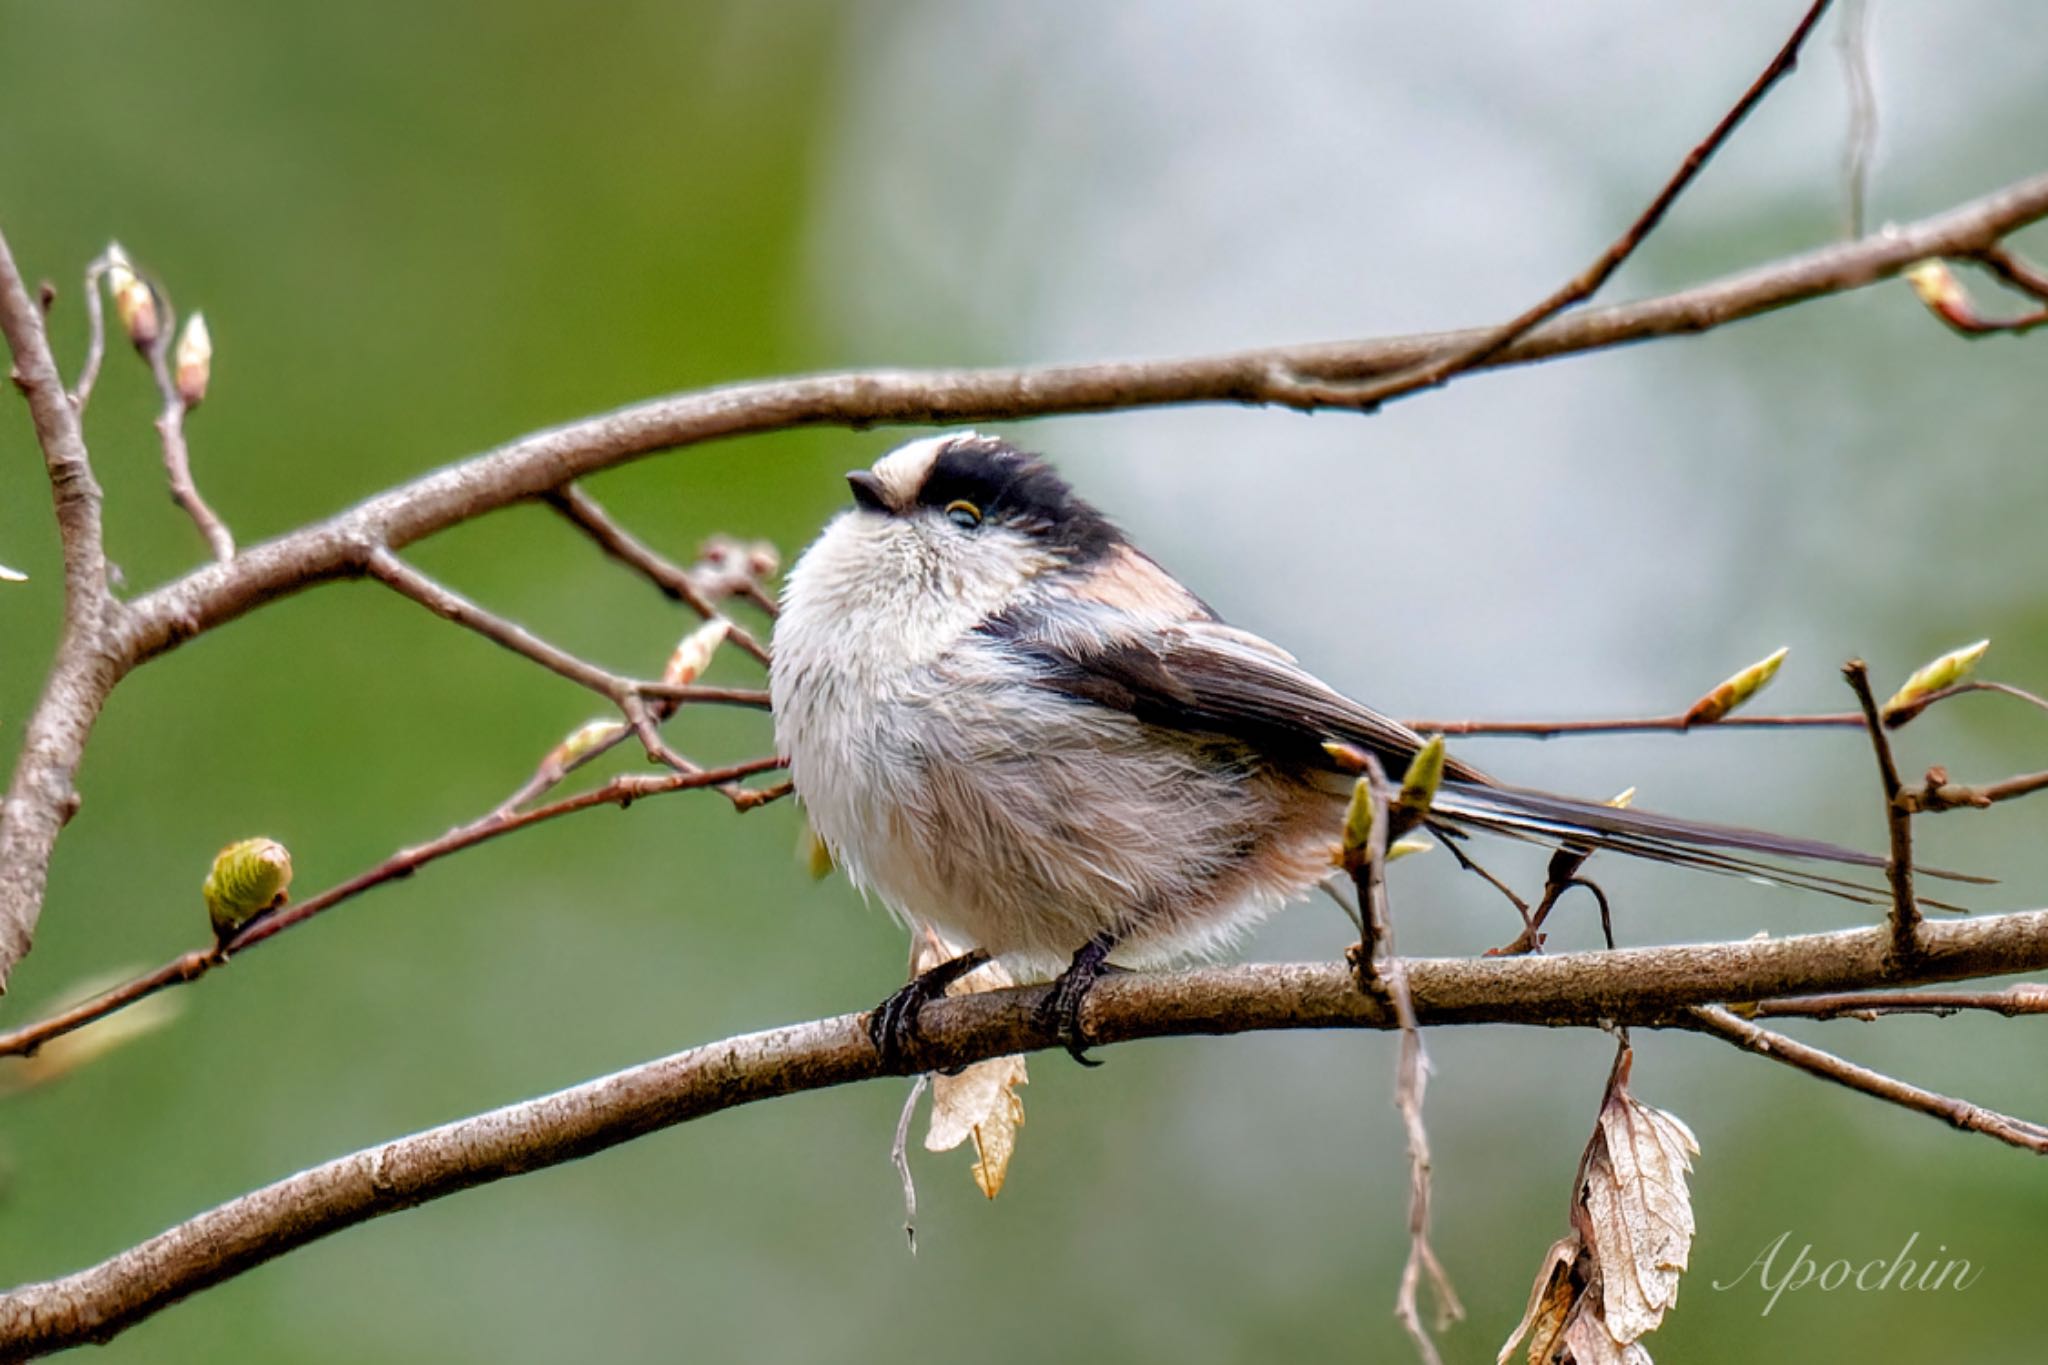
[[1013, 726]]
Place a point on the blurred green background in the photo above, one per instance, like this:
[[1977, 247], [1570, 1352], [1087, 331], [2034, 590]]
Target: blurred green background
[[418, 230]]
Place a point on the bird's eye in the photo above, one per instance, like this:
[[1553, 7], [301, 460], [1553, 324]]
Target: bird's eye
[[963, 514]]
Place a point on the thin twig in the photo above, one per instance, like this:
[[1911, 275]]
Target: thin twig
[[584, 512], [754, 698], [668, 698], [2028, 997], [1898, 868], [899, 1157], [1588, 281], [190, 966], [170, 427], [95, 330], [1675, 723], [2015, 270], [394, 573], [1898, 716], [1381, 971], [628, 695], [1940, 794], [1971, 1118]]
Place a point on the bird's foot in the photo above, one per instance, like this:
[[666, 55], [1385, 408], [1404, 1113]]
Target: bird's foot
[[1060, 1010], [893, 1026]]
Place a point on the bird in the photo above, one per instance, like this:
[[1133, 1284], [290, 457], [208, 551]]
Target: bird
[[1015, 728]]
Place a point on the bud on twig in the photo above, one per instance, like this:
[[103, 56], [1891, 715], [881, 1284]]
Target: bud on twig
[[693, 655], [193, 360], [1932, 676], [1357, 826], [1736, 690], [1418, 789], [134, 300], [1946, 298], [585, 739], [1407, 844], [1425, 774], [1942, 292], [247, 878]]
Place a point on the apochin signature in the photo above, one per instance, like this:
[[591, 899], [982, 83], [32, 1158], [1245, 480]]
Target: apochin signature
[[1899, 1272]]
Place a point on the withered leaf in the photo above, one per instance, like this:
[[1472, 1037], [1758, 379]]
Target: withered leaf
[[1638, 1208], [1614, 1277], [981, 1102]]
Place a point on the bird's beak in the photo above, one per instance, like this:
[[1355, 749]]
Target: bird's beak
[[867, 490]]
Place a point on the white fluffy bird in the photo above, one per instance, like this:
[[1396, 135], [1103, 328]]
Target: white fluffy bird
[[1014, 726]]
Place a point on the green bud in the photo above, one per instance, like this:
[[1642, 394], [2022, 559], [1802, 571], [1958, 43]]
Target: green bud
[[1425, 774], [248, 878], [1358, 825], [1946, 671], [1736, 690]]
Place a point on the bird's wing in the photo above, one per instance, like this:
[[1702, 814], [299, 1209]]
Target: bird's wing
[[1202, 677]]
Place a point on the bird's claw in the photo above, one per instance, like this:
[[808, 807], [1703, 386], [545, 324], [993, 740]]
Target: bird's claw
[[893, 1024], [1060, 1010]]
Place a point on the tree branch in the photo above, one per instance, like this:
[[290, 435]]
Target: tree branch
[[1898, 867], [170, 429], [1588, 281], [1971, 1118], [2028, 997], [620, 791], [1646, 987], [41, 796], [583, 512], [536, 465]]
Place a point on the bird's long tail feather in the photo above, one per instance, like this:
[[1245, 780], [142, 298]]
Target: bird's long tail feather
[[1560, 820]]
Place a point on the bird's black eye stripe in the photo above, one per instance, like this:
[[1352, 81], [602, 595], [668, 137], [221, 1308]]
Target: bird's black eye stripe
[[977, 480]]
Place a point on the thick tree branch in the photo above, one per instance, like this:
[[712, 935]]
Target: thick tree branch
[[538, 464], [41, 796], [1649, 987]]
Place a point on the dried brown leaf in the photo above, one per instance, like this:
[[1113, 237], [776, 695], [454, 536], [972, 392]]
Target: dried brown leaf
[[1551, 1300], [1614, 1277], [1638, 1208], [981, 1102]]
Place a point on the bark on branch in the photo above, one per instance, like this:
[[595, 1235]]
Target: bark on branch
[[1644, 987]]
